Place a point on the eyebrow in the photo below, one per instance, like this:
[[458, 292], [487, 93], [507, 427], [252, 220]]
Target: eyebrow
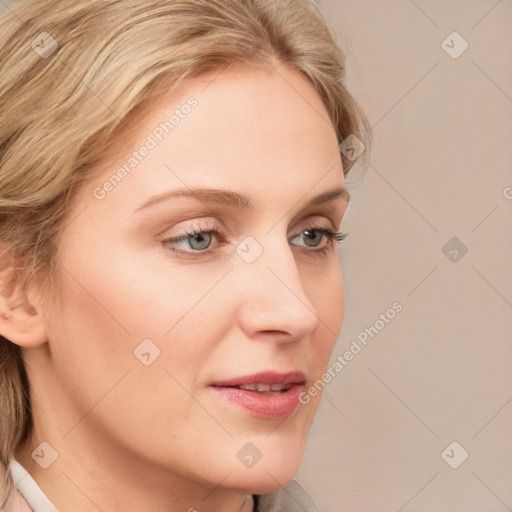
[[235, 200]]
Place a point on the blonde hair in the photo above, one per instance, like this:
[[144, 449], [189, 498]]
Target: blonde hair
[[73, 71]]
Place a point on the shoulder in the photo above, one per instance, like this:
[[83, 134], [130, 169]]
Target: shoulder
[[291, 498], [16, 503], [22, 494], [11, 500]]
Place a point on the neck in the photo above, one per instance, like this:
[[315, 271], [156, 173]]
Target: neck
[[79, 481], [95, 469]]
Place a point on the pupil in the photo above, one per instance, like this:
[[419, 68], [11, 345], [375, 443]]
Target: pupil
[[200, 238], [312, 235]]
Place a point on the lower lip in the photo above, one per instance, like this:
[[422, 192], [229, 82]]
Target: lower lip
[[263, 405]]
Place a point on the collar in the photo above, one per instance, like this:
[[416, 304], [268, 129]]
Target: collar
[[27, 486]]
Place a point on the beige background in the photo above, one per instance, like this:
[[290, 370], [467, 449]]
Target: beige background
[[440, 371]]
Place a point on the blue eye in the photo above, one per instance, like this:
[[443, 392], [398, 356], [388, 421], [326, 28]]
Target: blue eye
[[199, 240], [311, 236]]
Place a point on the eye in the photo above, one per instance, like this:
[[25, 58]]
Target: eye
[[200, 241], [197, 240], [313, 237]]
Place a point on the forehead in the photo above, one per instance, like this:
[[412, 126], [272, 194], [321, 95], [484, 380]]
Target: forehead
[[247, 128]]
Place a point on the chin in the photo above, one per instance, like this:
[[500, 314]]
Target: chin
[[261, 482], [273, 471]]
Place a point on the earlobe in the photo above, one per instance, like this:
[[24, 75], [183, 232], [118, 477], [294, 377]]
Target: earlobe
[[20, 320]]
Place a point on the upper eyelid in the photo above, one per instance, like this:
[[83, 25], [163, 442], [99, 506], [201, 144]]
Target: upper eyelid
[[331, 210], [215, 229], [310, 221]]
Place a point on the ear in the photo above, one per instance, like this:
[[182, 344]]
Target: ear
[[20, 320]]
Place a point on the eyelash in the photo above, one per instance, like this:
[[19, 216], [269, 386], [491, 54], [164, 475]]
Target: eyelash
[[332, 237]]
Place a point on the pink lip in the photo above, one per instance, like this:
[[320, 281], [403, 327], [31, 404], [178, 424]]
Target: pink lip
[[295, 377], [263, 405]]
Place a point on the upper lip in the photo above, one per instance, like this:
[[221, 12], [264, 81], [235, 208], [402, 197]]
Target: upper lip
[[293, 377]]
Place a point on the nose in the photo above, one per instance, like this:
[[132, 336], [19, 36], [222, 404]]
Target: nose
[[273, 302]]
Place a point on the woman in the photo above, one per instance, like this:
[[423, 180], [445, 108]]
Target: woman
[[171, 189]]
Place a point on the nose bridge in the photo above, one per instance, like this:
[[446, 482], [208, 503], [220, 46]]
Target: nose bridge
[[273, 295]]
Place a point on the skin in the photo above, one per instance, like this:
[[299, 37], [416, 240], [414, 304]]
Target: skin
[[131, 437]]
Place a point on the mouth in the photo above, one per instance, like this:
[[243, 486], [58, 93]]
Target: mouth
[[267, 395], [265, 388]]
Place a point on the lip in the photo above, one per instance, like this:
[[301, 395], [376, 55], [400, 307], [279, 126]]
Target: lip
[[293, 377], [259, 404]]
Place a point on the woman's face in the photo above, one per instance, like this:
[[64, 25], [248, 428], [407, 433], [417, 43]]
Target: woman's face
[[156, 328]]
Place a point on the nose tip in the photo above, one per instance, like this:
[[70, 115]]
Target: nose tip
[[277, 306]]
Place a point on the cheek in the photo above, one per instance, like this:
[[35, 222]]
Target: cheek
[[326, 291], [113, 314], [95, 337]]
